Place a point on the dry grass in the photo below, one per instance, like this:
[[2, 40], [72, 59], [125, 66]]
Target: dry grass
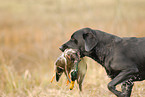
[[32, 30]]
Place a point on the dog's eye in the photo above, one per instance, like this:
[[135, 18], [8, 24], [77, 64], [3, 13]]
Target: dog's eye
[[75, 41]]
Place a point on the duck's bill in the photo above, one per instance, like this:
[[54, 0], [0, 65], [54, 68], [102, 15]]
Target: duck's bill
[[58, 75]]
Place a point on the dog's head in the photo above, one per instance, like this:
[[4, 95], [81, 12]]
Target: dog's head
[[83, 40]]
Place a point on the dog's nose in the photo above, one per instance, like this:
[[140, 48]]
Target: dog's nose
[[63, 47]]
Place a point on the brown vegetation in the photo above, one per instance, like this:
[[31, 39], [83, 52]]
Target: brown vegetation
[[32, 30]]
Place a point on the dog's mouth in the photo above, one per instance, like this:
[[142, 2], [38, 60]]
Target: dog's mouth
[[63, 47]]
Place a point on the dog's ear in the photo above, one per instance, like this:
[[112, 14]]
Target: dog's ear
[[90, 40]]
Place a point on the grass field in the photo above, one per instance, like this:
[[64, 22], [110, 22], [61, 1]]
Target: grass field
[[31, 31]]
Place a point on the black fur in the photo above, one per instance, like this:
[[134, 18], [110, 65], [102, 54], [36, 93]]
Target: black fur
[[122, 58]]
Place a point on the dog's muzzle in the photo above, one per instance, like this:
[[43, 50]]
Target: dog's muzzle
[[63, 47]]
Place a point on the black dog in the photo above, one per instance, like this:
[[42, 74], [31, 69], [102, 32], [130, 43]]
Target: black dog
[[122, 58]]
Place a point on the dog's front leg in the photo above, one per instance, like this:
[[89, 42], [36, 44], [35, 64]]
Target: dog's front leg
[[121, 77], [127, 87]]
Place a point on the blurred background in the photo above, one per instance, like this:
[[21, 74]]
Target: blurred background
[[31, 31]]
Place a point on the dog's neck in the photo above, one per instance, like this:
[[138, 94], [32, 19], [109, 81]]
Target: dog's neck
[[100, 53], [104, 47]]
